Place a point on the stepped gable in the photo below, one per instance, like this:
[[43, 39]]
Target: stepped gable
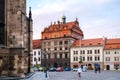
[[61, 30]]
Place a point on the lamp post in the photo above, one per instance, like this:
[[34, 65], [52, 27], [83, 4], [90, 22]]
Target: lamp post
[[45, 62], [80, 59], [80, 54]]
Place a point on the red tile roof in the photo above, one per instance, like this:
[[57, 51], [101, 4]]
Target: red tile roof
[[37, 44], [112, 44], [60, 26], [60, 29], [109, 44], [88, 42]]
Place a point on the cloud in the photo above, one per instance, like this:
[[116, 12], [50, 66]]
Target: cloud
[[96, 17], [51, 7], [102, 2]]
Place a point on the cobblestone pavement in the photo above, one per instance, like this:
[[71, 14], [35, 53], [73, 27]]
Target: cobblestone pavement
[[71, 75]]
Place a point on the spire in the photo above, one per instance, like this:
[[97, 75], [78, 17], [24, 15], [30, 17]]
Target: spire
[[63, 19], [30, 13], [76, 19]]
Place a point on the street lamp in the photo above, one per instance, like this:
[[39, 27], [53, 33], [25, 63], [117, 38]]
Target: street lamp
[[45, 54], [80, 60]]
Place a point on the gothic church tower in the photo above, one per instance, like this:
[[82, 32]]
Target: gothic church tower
[[15, 37]]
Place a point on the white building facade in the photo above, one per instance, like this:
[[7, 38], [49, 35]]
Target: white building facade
[[89, 51], [105, 52], [112, 54], [36, 59]]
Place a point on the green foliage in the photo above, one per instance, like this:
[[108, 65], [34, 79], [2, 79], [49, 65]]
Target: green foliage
[[80, 62]]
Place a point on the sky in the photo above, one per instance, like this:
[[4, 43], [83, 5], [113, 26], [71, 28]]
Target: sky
[[97, 18]]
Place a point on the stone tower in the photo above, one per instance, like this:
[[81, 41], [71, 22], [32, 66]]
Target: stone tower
[[15, 37]]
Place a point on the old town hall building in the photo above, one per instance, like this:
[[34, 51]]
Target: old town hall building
[[15, 38], [56, 41]]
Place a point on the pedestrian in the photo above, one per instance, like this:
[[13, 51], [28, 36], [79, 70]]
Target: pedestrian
[[79, 71], [95, 67], [84, 69], [99, 69]]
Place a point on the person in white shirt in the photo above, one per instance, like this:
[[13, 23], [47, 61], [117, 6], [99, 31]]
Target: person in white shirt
[[79, 71]]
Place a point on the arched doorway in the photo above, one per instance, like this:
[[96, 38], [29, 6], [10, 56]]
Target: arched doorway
[[107, 67], [90, 67], [75, 66]]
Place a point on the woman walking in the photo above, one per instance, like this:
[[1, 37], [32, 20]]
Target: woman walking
[[79, 71]]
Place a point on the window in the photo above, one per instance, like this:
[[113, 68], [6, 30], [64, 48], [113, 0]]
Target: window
[[80, 51], [64, 35], [90, 51], [60, 48], [108, 52], [66, 48], [44, 43], [116, 58], [97, 51], [55, 55], [87, 58], [83, 58], [66, 55], [39, 59], [60, 43], [34, 59], [55, 43], [66, 42], [83, 51], [60, 55], [91, 58], [38, 52], [55, 48], [49, 43], [75, 58], [75, 52], [97, 58], [34, 52]]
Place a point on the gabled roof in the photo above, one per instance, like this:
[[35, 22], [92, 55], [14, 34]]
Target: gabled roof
[[88, 42], [37, 44], [112, 44], [61, 26], [59, 29]]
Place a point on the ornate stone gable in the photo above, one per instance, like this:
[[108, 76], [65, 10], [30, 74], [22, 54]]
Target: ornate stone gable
[[63, 30]]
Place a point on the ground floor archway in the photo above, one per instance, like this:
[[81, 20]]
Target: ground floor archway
[[107, 67]]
